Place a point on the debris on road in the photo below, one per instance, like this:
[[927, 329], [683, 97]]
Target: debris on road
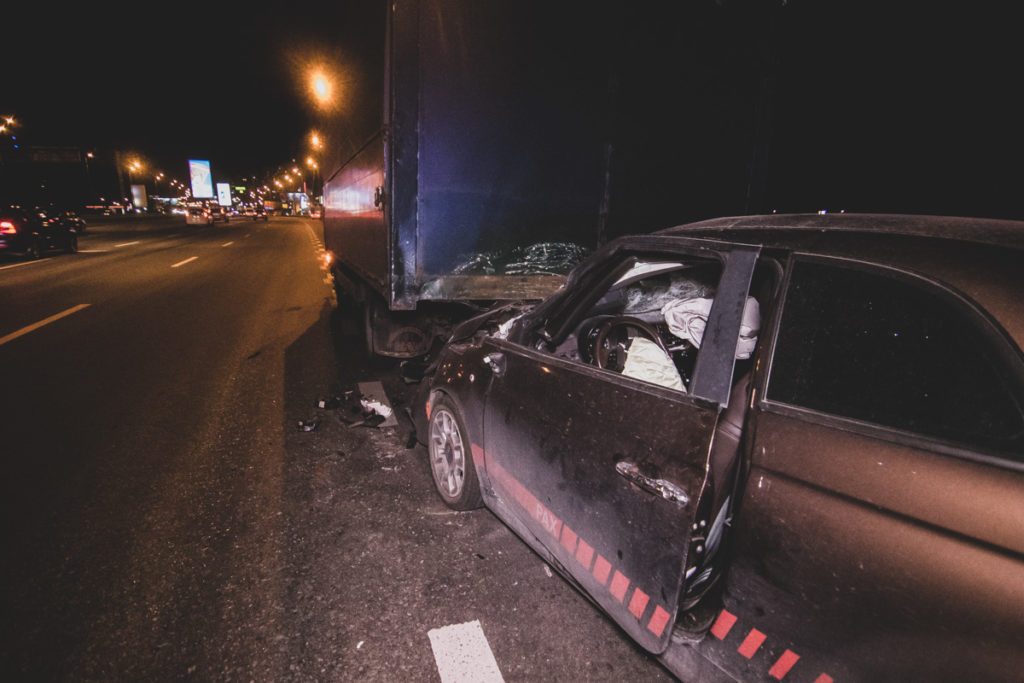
[[547, 570], [372, 420], [328, 403], [412, 371], [308, 425], [373, 392], [376, 407]]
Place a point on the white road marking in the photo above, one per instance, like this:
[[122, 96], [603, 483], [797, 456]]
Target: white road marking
[[463, 655], [35, 326], [228, 244], [248, 234], [188, 260], [93, 251], [126, 244], [23, 263]]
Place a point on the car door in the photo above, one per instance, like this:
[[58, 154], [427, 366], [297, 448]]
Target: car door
[[605, 471], [881, 531]]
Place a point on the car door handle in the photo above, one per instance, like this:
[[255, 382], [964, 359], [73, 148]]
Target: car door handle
[[496, 362], [661, 487]]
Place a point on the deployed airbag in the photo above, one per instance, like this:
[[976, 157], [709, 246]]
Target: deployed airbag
[[646, 361], [687, 318]]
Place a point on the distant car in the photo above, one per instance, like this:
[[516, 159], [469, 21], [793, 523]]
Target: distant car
[[259, 213], [198, 215], [71, 220], [219, 213], [33, 232], [770, 448]]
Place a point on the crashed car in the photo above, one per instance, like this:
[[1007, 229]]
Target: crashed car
[[769, 448]]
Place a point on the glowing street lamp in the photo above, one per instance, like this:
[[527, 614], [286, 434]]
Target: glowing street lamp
[[315, 141], [311, 163], [321, 87]]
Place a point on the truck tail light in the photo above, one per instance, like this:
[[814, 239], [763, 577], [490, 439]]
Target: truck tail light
[[8, 228]]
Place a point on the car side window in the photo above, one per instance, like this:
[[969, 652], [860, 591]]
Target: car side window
[[868, 346], [649, 324]]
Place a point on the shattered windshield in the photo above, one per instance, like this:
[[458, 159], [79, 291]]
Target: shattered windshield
[[544, 258]]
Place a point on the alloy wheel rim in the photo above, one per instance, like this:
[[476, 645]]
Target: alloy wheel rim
[[447, 456]]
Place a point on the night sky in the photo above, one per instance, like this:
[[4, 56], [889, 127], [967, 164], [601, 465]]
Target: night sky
[[166, 81], [872, 110]]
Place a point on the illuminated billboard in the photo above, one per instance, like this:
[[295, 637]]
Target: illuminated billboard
[[224, 194], [139, 199], [202, 179]]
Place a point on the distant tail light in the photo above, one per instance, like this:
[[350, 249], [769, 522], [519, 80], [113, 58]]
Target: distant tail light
[[8, 228]]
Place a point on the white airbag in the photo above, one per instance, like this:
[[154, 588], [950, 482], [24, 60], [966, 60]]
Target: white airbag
[[687, 318], [646, 361]]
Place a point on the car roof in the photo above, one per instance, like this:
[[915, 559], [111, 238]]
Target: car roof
[[995, 232]]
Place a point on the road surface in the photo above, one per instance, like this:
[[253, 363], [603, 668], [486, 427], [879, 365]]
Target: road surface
[[163, 517]]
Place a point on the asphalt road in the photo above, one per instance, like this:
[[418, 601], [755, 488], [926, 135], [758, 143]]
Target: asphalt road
[[163, 518]]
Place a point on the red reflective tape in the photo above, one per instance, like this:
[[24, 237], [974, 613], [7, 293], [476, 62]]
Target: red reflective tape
[[751, 643], [602, 568], [723, 624], [478, 454], [620, 584], [783, 664], [658, 621], [823, 678], [551, 524], [584, 554], [568, 539], [427, 408], [638, 603]]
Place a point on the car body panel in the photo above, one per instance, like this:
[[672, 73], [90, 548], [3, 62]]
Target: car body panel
[[557, 460], [857, 552]]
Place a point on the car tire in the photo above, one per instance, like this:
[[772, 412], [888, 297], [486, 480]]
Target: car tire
[[451, 457], [34, 251], [72, 244]]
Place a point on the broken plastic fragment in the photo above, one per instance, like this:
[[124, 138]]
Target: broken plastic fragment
[[308, 425], [373, 420], [412, 371], [376, 407], [328, 403]]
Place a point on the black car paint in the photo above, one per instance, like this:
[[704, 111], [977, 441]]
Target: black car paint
[[796, 600]]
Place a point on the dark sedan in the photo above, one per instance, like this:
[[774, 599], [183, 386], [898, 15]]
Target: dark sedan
[[33, 232], [769, 448]]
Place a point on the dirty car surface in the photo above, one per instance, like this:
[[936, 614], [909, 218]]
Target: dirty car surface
[[769, 448]]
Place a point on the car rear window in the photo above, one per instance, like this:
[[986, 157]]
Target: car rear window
[[864, 345]]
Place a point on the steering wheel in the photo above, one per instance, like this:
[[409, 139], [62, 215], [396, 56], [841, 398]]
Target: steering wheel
[[611, 340]]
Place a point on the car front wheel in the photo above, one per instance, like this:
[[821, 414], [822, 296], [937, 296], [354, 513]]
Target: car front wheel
[[451, 460], [34, 251], [72, 244]]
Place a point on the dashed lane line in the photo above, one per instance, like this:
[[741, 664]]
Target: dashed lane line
[[228, 244], [46, 321], [24, 263], [93, 251], [127, 244], [463, 655], [188, 260]]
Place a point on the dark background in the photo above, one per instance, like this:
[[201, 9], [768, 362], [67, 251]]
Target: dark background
[[757, 106]]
